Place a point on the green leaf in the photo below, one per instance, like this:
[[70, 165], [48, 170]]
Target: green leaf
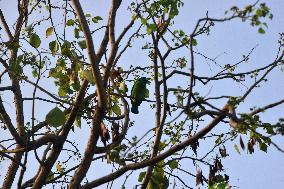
[[269, 130], [166, 183], [237, 148], [152, 185], [162, 146], [96, 19], [35, 40], [78, 121], [261, 30], [47, 7], [82, 44], [76, 33], [20, 59], [49, 32], [16, 67], [87, 74], [218, 140], [259, 12], [55, 117], [185, 41], [123, 87], [116, 109], [70, 22], [64, 89], [194, 42], [34, 73], [50, 176], [143, 21], [133, 17], [157, 177], [263, 147], [150, 28], [147, 93], [173, 164], [257, 22], [76, 85], [179, 100], [160, 166], [53, 46], [65, 49], [141, 176], [222, 185], [265, 24]]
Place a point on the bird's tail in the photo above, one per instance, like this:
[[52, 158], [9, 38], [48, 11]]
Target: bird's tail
[[134, 109]]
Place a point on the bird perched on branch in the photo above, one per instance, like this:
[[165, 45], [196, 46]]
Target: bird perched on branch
[[138, 93]]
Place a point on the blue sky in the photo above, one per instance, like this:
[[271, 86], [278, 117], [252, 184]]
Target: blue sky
[[229, 40]]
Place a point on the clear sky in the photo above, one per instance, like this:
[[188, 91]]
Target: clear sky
[[230, 40]]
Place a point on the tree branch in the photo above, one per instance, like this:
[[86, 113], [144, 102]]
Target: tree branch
[[164, 155]]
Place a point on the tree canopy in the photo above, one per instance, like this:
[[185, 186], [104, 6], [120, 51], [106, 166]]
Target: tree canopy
[[75, 112]]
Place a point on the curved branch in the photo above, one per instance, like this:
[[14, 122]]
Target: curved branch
[[164, 155], [48, 164], [91, 53]]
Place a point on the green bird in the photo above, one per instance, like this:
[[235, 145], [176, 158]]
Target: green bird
[[138, 93]]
